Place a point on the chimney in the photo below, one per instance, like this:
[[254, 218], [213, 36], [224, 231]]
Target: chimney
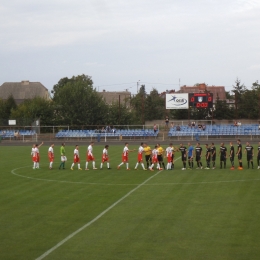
[[25, 82]]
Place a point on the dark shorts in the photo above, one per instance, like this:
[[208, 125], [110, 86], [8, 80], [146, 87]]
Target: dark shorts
[[160, 158], [214, 158], [183, 158], [239, 156], [223, 158], [198, 158], [148, 158], [249, 157], [190, 158]]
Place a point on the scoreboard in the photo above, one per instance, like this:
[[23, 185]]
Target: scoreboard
[[201, 100]]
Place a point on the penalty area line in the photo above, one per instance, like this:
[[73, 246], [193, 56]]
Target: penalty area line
[[95, 219]]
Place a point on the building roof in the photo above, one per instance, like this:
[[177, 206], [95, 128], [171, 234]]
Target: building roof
[[201, 88], [23, 90], [113, 97]]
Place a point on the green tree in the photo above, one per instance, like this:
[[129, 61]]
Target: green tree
[[138, 106], [155, 106], [256, 86], [77, 103], [238, 90], [32, 109], [179, 114], [222, 110], [6, 108], [119, 114]]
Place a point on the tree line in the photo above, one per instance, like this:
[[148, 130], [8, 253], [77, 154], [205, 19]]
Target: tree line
[[76, 102]]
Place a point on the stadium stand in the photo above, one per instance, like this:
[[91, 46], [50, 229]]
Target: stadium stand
[[11, 133], [217, 130], [93, 133]]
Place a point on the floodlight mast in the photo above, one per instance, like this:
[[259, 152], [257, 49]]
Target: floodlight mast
[[138, 86]]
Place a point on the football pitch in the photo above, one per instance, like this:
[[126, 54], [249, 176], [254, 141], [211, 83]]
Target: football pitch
[[119, 214]]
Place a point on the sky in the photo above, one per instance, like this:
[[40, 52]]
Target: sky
[[122, 44]]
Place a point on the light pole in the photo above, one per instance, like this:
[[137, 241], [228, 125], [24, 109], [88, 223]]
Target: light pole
[[138, 86]]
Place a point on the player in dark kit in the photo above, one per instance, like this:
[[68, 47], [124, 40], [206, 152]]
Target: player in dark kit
[[213, 155], [183, 151], [198, 153], [223, 155], [258, 156], [232, 155], [208, 154], [239, 154], [249, 150]]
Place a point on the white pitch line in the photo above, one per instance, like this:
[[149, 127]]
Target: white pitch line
[[128, 184], [76, 182], [95, 219]]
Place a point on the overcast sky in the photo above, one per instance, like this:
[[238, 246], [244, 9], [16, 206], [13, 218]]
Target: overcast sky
[[119, 42]]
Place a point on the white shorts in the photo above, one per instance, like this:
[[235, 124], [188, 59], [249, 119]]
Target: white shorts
[[63, 158]]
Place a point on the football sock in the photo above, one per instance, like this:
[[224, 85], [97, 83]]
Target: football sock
[[163, 165], [127, 165], [142, 165], [213, 163], [93, 164], [247, 164], [121, 164], [108, 165], [252, 164], [72, 165], [86, 165], [136, 165], [224, 164], [78, 166], [101, 165], [221, 164]]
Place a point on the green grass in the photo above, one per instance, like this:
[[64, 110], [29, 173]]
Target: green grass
[[197, 214]]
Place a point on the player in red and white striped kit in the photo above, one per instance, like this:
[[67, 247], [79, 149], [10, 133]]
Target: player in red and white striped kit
[[105, 158], [51, 155], [90, 157], [76, 158], [125, 157], [140, 157], [168, 153], [36, 155], [155, 159]]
